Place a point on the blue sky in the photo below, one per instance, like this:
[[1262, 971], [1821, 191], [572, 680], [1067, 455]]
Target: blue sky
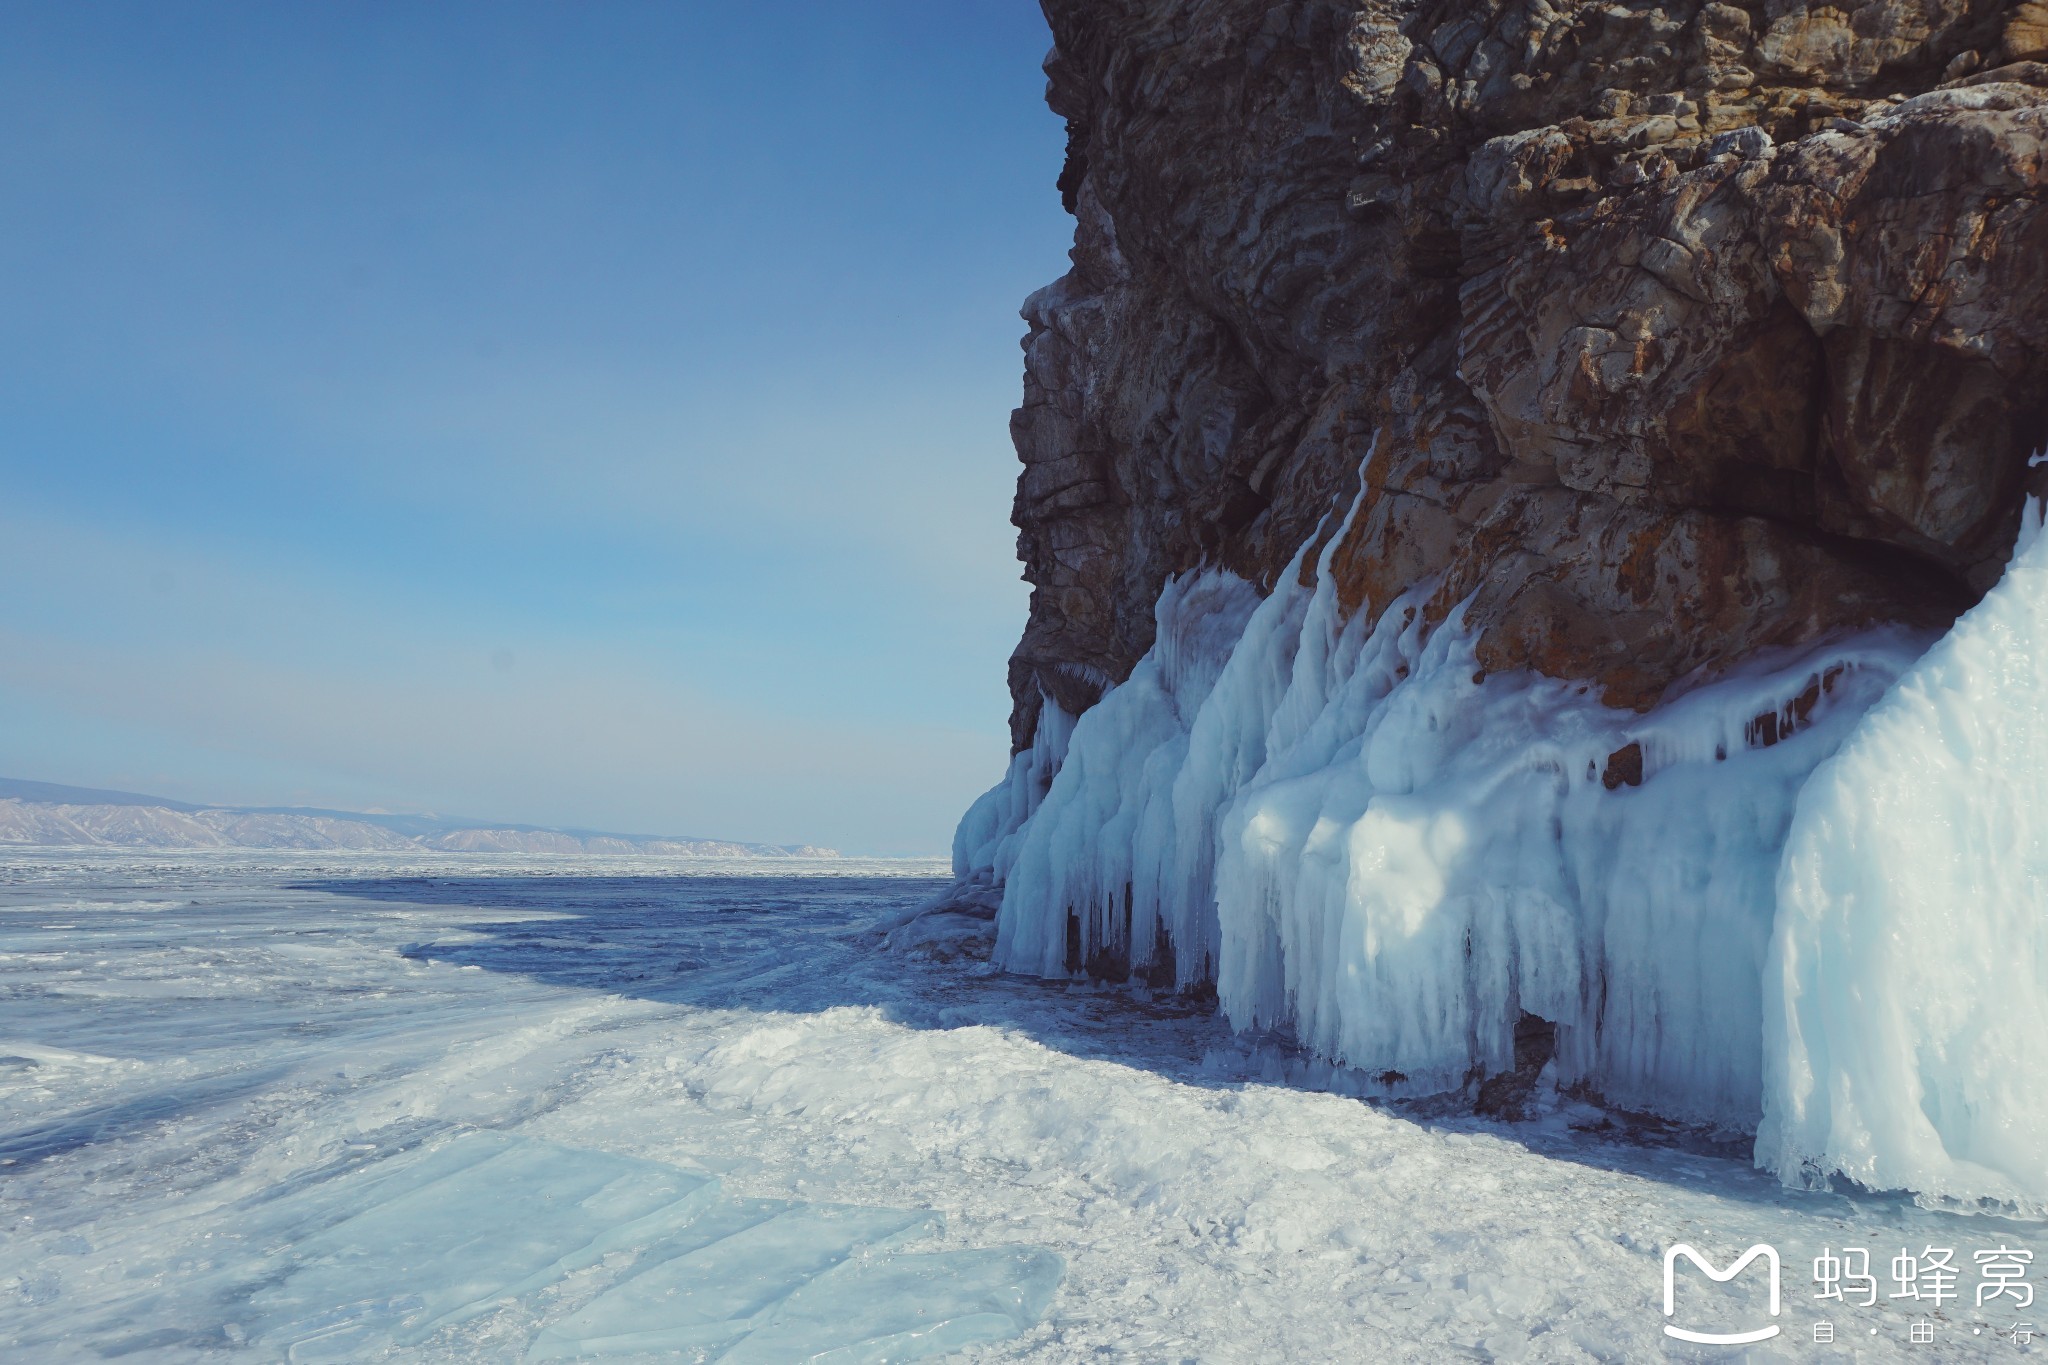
[[586, 414]]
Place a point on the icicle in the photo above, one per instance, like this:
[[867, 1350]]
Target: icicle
[[1361, 838]]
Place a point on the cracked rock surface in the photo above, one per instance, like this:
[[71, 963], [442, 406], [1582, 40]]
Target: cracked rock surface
[[1664, 333]]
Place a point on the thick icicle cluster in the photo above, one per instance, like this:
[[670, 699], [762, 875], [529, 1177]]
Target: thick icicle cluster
[[1907, 1033], [1370, 845], [1366, 843]]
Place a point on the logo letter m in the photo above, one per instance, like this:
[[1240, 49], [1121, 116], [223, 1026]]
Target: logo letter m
[[1769, 1254]]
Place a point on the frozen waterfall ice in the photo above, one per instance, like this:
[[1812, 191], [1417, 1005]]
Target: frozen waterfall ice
[[1907, 987], [1369, 844]]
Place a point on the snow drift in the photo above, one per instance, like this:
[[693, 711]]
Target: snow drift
[[1371, 846]]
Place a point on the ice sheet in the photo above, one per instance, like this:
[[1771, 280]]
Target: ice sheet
[[484, 1218], [384, 1226], [907, 1307], [737, 1277], [292, 1042]]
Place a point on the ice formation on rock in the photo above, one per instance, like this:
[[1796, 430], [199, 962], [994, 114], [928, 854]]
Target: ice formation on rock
[[1742, 353], [985, 844], [1368, 843], [1907, 1028]]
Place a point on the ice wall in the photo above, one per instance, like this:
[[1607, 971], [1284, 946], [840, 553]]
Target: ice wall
[[1367, 843], [1907, 983]]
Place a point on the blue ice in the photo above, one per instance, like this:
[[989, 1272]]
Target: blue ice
[[387, 1254]]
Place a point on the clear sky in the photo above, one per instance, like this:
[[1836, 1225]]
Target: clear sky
[[588, 414]]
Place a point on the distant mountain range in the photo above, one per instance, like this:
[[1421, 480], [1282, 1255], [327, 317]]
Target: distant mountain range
[[48, 815]]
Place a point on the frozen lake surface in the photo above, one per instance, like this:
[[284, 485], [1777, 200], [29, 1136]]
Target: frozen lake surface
[[358, 1107]]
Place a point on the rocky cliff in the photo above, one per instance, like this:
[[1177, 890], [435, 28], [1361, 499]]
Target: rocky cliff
[[1664, 333], [1494, 479]]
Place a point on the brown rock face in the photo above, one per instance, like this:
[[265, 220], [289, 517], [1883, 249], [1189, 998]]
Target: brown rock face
[[1663, 333]]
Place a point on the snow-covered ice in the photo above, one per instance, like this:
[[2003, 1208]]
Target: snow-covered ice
[[442, 1108], [324, 1142]]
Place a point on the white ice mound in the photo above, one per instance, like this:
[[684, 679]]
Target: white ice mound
[[1367, 843], [1908, 978]]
